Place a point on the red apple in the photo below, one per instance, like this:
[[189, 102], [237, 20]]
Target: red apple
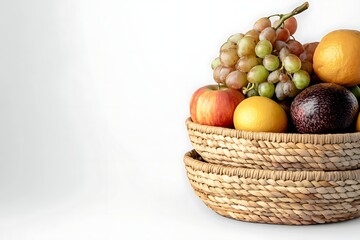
[[214, 105]]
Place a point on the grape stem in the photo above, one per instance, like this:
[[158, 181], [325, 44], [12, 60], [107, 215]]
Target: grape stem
[[294, 12], [249, 87]]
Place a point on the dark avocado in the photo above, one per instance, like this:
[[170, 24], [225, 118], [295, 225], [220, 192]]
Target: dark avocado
[[324, 108]]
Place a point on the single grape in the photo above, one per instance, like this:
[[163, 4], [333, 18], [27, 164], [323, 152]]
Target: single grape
[[216, 62], [292, 63], [228, 57], [263, 48], [266, 89], [271, 62], [251, 93], [307, 66], [290, 89], [245, 63], [227, 46], [274, 76], [356, 91], [262, 23], [291, 25], [269, 34], [284, 52], [254, 34], [235, 37], [279, 92], [282, 34], [284, 77], [220, 73], [236, 80], [310, 47], [306, 56], [257, 74], [246, 46], [295, 47], [278, 45], [301, 79]]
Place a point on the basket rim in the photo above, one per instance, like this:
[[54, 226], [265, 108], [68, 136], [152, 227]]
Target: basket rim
[[275, 137], [190, 160]]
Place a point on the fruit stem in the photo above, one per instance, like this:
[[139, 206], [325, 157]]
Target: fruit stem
[[294, 12], [249, 87]]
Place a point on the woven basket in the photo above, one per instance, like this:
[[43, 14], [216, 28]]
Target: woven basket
[[275, 151], [280, 197]]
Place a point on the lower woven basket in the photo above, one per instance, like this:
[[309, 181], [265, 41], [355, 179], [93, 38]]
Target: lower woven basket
[[271, 196]]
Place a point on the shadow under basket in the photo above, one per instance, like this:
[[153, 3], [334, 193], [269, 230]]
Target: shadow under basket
[[275, 151], [279, 197]]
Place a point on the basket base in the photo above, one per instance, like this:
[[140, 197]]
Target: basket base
[[275, 197], [275, 218]]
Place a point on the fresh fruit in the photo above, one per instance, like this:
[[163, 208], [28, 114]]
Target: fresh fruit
[[357, 127], [266, 54], [214, 105], [337, 58], [324, 108], [356, 91], [257, 74], [260, 114], [292, 63]]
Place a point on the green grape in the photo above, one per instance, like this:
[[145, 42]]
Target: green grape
[[274, 76], [292, 63], [228, 58], [246, 46], [356, 91], [261, 24], [251, 93], [236, 80], [266, 89], [245, 63], [263, 48], [235, 37], [290, 89], [279, 92], [271, 62], [301, 79], [216, 62], [227, 46], [257, 74]]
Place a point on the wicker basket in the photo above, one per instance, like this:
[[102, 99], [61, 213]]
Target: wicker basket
[[280, 197], [275, 151]]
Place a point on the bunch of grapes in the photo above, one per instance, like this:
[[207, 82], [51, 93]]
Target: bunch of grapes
[[267, 60]]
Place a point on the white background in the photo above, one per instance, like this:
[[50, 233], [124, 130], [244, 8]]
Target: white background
[[93, 101]]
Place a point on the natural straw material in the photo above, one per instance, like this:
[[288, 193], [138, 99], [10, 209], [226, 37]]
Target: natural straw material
[[280, 197], [276, 151]]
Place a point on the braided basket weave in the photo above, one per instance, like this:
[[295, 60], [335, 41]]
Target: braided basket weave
[[280, 197], [275, 151]]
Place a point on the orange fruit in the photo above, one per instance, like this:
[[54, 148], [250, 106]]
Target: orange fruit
[[260, 114], [358, 123], [337, 58]]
